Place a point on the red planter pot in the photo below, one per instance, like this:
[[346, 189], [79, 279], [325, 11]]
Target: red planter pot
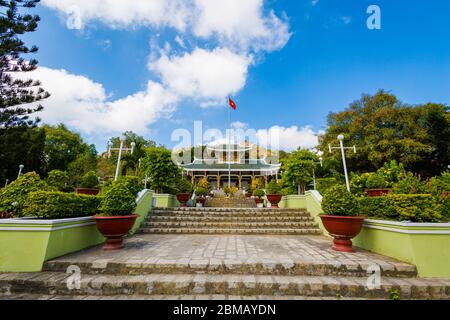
[[248, 195], [258, 200], [114, 228], [88, 191], [342, 229], [377, 192], [183, 198], [274, 199], [201, 200]]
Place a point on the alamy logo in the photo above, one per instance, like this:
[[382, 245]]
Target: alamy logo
[[374, 280], [74, 280], [374, 20]]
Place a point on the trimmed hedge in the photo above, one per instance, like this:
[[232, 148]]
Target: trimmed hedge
[[58, 205], [403, 207]]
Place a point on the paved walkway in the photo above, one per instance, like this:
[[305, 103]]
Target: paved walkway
[[210, 251]]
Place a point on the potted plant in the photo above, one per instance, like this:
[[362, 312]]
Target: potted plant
[[184, 190], [258, 194], [376, 185], [201, 192], [340, 220], [273, 191], [116, 216], [89, 184]]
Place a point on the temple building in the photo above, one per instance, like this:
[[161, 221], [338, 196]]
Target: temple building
[[242, 161]]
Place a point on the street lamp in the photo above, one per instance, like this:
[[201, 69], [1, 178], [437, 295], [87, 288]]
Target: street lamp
[[341, 146], [120, 149], [320, 153], [20, 170]]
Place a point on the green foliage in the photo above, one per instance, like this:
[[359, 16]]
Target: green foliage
[[394, 294], [256, 184], [376, 181], [118, 200], [385, 129], [323, 184], [337, 201], [273, 188], [289, 190], [89, 180], [403, 207], [59, 205], [58, 179], [391, 172], [13, 197], [160, 169], [131, 183], [183, 185], [21, 145], [204, 183], [298, 168], [201, 192], [259, 193], [440, 184], [358, 182], [230, 190], [410, 184], [18, 97]]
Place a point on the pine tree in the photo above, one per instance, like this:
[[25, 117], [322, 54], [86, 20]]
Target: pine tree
[[18, 98]]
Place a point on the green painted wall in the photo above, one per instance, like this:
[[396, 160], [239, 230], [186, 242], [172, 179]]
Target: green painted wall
[[429, 252], [142, 209], [166, 201]]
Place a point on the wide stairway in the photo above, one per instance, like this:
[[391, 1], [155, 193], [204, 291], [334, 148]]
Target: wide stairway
[[230, 221]]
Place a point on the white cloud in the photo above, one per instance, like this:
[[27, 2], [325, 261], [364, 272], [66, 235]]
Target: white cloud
[[314, 2], [239, 125], [232, 22], [346, 19], [287, 138], [203, 74], [83, 104]]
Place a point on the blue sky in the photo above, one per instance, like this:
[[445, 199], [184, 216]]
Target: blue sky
[[307, 58]]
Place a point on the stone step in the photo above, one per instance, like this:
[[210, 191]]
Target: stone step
[[207, 209], [55, 283], [229, 213], [213, 218], [267, 231], [229, 266], [230, 225]]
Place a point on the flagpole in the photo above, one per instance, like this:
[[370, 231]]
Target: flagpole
[[229, 146]]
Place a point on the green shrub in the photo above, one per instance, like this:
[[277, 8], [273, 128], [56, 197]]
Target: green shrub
[[288, 191], [204, 183], [58, 179], [440, 184], [118, 200], [391, 171], [89, 180], [13, 197], [338, 201], [183, 185], [200, 192], [273, 188], [376, 181], [403, 207], [132, 183], [410, 184], [323, 184], [259, 193], [58, 205]]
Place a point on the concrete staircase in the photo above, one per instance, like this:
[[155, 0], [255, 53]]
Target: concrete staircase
[[175, 280], [230, 221], [217, 202]]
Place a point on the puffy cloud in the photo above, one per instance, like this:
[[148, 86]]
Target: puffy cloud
[[203, 74], [232, 22], [287, 138], [83, 104]]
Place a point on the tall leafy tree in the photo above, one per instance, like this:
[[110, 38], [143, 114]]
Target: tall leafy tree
[[160, 169], [298, 169], [384, 129], [18, 98]]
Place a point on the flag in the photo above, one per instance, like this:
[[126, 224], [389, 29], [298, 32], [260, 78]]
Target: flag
[[231, 103]]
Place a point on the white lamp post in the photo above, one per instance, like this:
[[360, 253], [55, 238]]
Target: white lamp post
[[20, 171], [6, 182], [341, 143], [314, 172], [120, 149]]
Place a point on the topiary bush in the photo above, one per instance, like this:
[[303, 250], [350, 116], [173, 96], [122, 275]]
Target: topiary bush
[[273, 188], [89, 180], [205, 184], [13, 197], [403, 207], [410, 184], [58, 179], [183, 185], [259, 193], [339, 202], [132, 183], [376, 181], [58, 205], [200, 192], [118, 200]]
